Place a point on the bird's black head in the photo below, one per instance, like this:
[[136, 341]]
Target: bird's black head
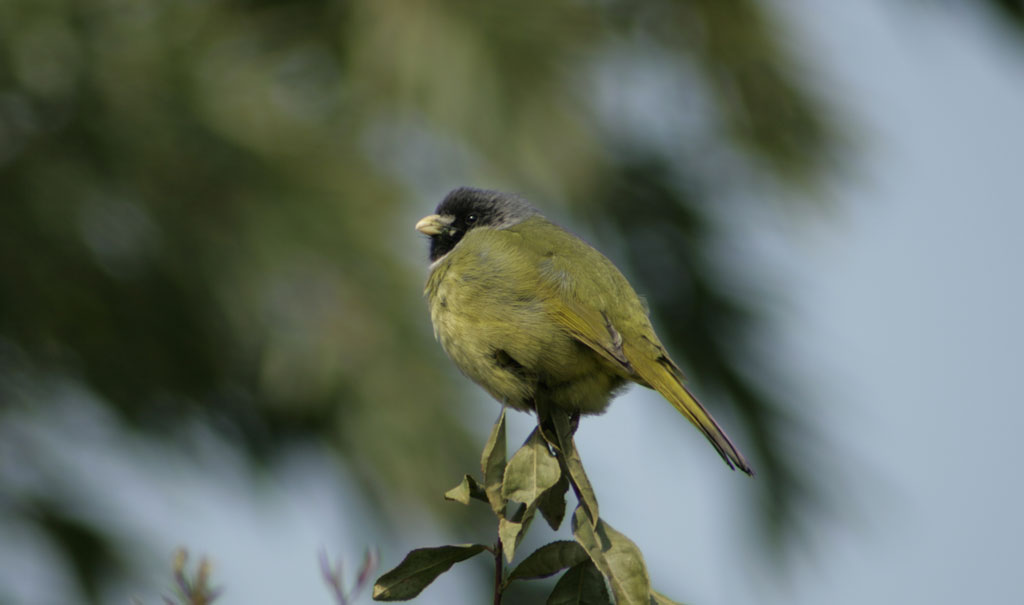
[[466, 208]]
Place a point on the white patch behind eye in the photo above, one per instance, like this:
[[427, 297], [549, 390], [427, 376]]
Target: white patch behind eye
[[506, 221]]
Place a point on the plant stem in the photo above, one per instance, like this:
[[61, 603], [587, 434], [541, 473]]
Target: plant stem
[[498, 572]]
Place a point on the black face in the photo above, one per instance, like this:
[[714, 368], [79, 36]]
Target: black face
[[471, 208]]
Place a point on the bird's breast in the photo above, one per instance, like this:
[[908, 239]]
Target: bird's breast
[[501, 334]]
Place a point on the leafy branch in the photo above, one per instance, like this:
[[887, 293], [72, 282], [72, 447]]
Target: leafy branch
[[601, 566]]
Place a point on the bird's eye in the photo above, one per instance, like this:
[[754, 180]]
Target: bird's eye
[[471, 218]]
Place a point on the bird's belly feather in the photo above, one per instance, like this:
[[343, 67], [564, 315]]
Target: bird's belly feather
[[513, 348]]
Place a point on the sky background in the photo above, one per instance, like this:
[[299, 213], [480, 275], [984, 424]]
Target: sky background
[[902, 328]]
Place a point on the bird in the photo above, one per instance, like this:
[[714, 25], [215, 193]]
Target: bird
[[529, 311]]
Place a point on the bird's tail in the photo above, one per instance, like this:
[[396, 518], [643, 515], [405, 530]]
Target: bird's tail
[[667, 379]]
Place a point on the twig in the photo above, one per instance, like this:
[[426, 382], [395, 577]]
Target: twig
[[499, 575], [335, 581]]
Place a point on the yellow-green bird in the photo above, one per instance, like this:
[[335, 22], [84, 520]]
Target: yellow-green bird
[[528, 310]]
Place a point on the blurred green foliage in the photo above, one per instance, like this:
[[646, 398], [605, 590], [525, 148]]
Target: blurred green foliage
[[205, 213]]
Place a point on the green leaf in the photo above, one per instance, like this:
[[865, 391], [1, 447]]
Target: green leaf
[[581, 585], [552, 502], [493, 465], [555, 429], [469, 488], [510, 532], [549, 560], [659, 599], [574, 465], [419, 568], [616, 556], [531, 471]]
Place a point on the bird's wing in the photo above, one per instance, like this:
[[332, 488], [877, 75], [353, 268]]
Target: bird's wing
[[591, 299], [594, 329], [581, 290]]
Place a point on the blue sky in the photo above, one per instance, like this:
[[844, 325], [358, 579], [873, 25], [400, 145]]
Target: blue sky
[[906, 320]]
